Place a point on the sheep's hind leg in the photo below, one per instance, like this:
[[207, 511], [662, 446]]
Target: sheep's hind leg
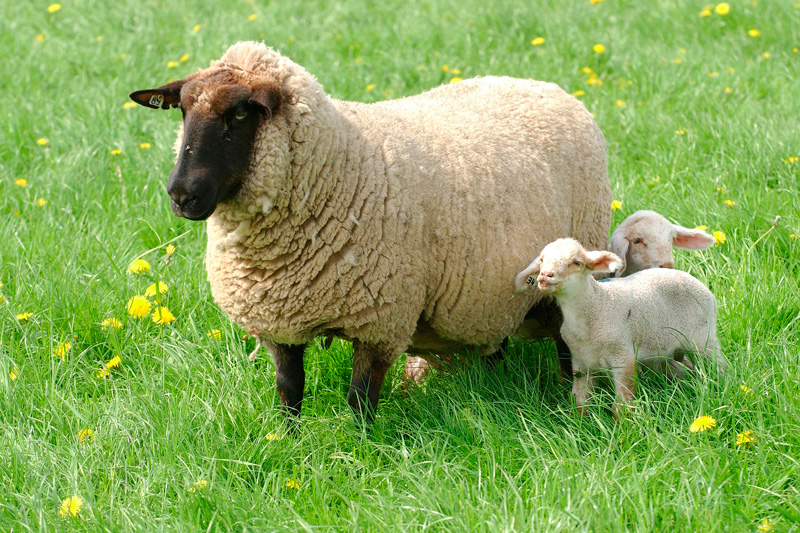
[[370, 364], [290, 376]]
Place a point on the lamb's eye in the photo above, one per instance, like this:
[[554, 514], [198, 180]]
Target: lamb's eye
[[577, 263], [240, 115], [638, 241]]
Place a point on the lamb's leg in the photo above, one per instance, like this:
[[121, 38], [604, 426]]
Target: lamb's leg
[[416, 370], [624, 385], [370, 364], [290, 376], [581, 388]]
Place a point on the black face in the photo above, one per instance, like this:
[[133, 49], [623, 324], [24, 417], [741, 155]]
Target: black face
[[218, 136], [213, 159]]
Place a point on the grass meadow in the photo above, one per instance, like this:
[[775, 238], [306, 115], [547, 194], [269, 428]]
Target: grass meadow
[[700, 108]]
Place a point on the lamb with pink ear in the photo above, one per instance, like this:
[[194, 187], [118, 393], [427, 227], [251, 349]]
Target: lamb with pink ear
[[654, 317], [646, 240]]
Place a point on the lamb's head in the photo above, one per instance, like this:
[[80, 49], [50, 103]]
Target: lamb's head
[[223, 108], [645, 240], [564, 263]]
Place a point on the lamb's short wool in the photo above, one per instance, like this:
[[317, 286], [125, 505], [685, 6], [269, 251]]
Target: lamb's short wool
[[398, 225], [653, 317]]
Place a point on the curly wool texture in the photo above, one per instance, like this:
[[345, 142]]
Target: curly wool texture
[[402, 223]]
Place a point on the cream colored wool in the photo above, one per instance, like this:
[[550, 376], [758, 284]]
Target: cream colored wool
[[402, 223]]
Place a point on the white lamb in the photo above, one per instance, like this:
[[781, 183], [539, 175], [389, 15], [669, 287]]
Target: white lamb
[[653, 316], [646, 239]]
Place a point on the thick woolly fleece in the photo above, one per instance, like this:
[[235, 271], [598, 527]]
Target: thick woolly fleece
[[402, 223]]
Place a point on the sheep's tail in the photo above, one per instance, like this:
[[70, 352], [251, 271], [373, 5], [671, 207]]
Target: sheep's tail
[[254, 353]]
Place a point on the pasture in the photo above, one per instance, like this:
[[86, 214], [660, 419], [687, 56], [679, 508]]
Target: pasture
[[167, 426]]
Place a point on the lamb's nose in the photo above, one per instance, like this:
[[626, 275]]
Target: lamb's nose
[[547, 274]]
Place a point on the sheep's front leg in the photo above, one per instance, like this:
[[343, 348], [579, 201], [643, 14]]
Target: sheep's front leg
[[290, 376], [582, 382], [624, 385], [370, 364]]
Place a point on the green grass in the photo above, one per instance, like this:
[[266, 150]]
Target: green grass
[[472, 450]]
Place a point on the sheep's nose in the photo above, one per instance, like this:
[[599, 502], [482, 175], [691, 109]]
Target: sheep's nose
[[546, 274], [181, 197], [668, 264]]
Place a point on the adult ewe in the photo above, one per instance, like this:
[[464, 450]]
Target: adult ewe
[[398, 225]]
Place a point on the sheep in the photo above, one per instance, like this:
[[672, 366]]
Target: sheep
[[645, 240], [395, 225], [655, 316]]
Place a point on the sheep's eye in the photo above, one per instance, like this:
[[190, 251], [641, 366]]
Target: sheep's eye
[[577, 263], [240, 115], [638, 241]]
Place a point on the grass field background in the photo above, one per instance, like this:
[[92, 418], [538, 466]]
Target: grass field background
[[702, 124]]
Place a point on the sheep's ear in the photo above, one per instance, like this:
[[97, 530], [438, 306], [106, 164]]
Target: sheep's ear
[[603, 261], [267, 97], [692, 239], [163, 97], [527, 277], [619, 245]]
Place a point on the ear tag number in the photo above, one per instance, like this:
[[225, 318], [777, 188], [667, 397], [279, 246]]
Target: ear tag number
[[530, 280], [156, 100]]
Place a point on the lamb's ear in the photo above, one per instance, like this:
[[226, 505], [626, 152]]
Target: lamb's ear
[[161, 97], [603, 262], [619, 245], [527, 277], [267, 97], [692, 239]]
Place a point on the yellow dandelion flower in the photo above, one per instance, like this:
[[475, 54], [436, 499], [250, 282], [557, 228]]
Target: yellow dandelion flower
[[273, 437], [754, 33], [745, 389], [537, 41], [24, 317], [184, 58], [722, 8], [595, 81], [587, 70], [62, 350], [114, 362], [215, 334], [117, 151], [41, 141], [766, 524], [200, 484], [705, 13], [445, 68], [678, 60], [702, 423], [138, 306], [101, 38], [729, 203], [598, 48], [791, 236], [172, 64], [21, 182], [593, 2], [197, 28], [730, 70], [103, 373], [252, 17], [791, 160], [52, 8], [86, 435], [144, 146], [701, 227], [719, 237], [713, 74], [170, 249], [766, 55], [110, 323], [680, 132], [794, 49], [728, 90], [2, 298], [619, 103], [138, 266], [292, 483], [454, 80], [357, 60], [455, 71], [162, 316], [745, 438], [40, 37], [129, 105], [579, 92], [655, 180], [370, 86], [41, 202], [122, 56], [150, 291], [14, 374], [616, 205], [71, 506]]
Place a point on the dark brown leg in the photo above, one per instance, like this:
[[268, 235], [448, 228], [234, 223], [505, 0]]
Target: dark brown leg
[[370, 364], [290, 376], [549, 315]]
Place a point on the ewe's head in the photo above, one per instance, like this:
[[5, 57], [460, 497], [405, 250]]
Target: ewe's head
[[563, 263], [223, 107], [645, 240]]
